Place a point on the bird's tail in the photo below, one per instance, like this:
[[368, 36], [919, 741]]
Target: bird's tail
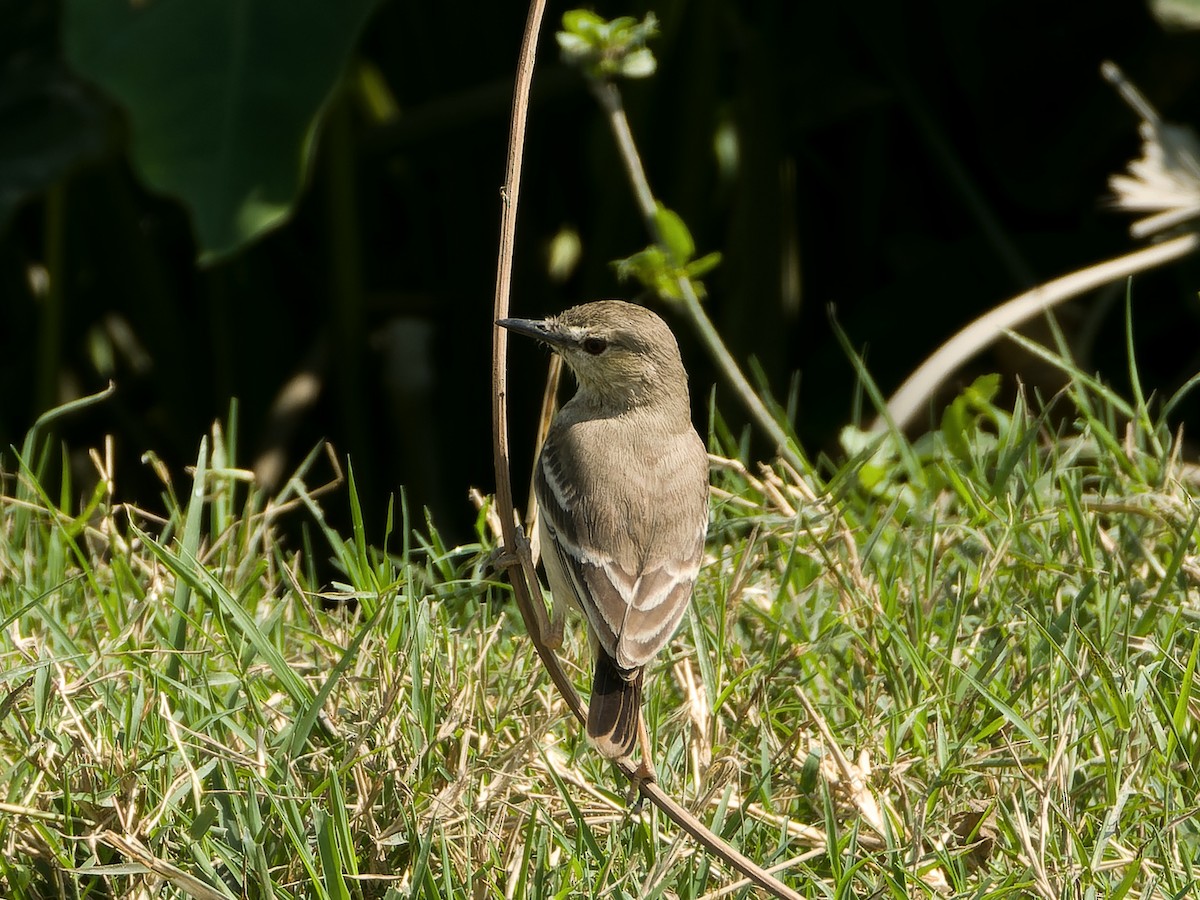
[[614, 707]]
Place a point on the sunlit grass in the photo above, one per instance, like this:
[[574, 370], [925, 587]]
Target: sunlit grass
[[961, 666]]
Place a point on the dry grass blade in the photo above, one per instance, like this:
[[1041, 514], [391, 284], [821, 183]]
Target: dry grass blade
[[133, 849], [549, 405], [852, 779]]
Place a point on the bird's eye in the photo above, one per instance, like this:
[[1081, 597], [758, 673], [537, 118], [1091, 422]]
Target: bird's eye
[[595, 345]]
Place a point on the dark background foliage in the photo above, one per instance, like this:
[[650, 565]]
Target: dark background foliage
[[910, 165]]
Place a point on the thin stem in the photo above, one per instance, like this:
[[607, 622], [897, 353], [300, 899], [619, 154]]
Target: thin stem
[[609, 97], [522, 575]]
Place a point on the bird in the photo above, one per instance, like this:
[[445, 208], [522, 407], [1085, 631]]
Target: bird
[[621, 483]]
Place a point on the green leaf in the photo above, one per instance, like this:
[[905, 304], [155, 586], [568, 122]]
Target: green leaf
[[190, 545], [983, 390], [664, 266], [603, 49], [956, 427], [582, 22], [646, 266], [675, 235], [573, 46], [698, 268], [224, 98], [638, 64], [960, 420], [331, 856]]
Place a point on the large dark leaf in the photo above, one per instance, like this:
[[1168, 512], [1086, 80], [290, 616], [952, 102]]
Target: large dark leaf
[[224, 97]]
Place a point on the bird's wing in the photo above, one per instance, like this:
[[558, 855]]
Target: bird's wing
[[627, 533]]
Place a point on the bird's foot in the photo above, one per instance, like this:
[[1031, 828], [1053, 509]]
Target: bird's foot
[[501, 559], [643, 774]]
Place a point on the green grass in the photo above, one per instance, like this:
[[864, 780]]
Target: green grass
[[965, 665]]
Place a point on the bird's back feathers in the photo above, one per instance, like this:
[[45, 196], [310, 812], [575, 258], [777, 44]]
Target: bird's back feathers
[[626, 528]]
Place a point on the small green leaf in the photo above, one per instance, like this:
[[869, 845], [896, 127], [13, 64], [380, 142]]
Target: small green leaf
[[955, 425], [854, 440], [675, 235], [582, 21], [665, 267], [960, 420], [651, 269], [641, 265], [870, 476], [604, 49], [983, 390], [203, 822], [638, 64], [698, 268], [572, 46]]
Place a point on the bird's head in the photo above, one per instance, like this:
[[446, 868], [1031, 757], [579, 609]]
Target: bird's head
[[623, 355]]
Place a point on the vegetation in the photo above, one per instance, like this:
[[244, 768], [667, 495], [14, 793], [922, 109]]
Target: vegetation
[[964, 665]]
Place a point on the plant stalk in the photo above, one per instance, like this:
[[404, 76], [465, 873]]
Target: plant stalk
[[609, 98]]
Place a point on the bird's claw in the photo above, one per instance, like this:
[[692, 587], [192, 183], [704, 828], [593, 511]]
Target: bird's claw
[[501, 559]]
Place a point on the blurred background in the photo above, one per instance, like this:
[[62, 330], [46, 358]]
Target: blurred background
[[297, 204]]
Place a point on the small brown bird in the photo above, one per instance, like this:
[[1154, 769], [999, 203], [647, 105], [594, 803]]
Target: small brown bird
[[622, 485]]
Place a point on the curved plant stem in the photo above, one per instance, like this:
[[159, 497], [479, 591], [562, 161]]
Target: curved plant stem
[[522, 574], [911, 396], [521, 571], [610, 101]]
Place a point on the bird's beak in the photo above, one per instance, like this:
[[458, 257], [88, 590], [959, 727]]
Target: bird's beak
[[539, 329]]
